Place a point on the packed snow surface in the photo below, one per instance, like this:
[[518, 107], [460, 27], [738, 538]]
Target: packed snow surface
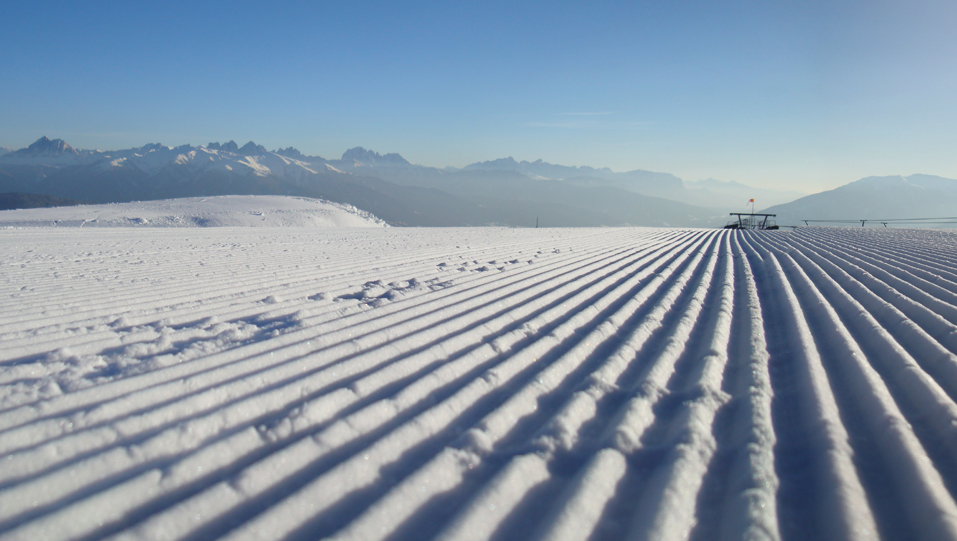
[[478, 383], [225, 210]]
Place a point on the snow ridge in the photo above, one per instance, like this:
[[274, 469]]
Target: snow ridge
[[478, 383]]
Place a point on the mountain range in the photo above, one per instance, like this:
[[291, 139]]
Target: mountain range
[[497, 192], [875, 199], [387, 185]]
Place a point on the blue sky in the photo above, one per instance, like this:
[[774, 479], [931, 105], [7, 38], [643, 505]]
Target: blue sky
[[804, 95]]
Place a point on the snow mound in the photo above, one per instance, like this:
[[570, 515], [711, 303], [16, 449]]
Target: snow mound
[[220, 211]]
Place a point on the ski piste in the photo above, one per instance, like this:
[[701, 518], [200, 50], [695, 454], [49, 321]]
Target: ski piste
[[468, 383]]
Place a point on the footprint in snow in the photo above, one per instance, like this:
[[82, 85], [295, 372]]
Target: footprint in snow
[[377, 293]]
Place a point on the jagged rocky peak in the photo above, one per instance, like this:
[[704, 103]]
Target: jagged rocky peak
[[290, 152], [296, 155], [252, 149], [369, 157], [249, 149], [231, 146], [48, 146]]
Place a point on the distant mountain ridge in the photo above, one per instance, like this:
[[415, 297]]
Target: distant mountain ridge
[[875, 198], [711, 192], [154, 171], [368, 157], [638, 181], [502, 192], [541, 168]]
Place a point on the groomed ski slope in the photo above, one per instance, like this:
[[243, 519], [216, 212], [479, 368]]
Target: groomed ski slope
[[392, 383]]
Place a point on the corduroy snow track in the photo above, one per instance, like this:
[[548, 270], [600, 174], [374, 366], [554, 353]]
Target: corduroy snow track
[[487, 383]]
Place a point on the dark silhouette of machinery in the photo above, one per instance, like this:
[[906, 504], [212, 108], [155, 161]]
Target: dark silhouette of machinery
[[750, 220]]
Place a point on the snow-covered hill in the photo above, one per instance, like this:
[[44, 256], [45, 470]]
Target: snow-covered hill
[[404, 383], [228, 210], [875, 198]]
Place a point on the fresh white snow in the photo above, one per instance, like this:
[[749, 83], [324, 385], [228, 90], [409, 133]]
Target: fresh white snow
[[214, 211], [401, 383]]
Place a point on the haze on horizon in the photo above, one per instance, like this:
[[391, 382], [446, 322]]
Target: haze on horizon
[[802, 96]]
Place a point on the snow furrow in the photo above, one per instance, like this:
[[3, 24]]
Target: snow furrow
[[667, 507], [210, 301], [478, 384], [838, 511], [746, 483], [938, 361], [480, 442], [930, 321], [348, 323], [939, 299], [928, 503], [302, 382], [495, 427]]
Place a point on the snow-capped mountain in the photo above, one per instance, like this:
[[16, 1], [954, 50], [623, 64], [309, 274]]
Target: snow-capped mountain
[[47, 147], [155, 171], [291, 152], [875, 198], [45, 151], [362, 157], [153, 158], [4, 150], [503, 192], [249, 149]]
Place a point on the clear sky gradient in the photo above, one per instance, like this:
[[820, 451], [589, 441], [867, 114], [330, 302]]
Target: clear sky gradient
[[800, 95]]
